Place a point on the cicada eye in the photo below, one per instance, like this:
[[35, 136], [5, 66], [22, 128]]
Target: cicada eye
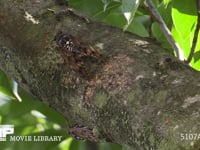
[[63, 42], [62, 39]]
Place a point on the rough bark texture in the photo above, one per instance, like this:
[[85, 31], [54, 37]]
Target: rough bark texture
[[141, 97]]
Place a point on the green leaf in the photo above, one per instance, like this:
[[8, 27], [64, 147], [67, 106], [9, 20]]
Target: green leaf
[[158, 34], [115, 18], [137, 27], [110, 3], [108, 9], [184, 43], [184, 16], [166, 1], [5, 94], [5, 87], [88, 7], [197, 56], [128, 9], [165, 12], [65, 145], [96, 8], [4, 80]]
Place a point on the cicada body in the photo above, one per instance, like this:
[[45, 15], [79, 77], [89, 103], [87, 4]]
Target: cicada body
[[80, 57]]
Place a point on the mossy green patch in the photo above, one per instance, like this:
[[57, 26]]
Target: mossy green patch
[[100, 100]]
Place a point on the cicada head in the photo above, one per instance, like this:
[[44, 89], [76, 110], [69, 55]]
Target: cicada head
[[66, 42], [63, 39]]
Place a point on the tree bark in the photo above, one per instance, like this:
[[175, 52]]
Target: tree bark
[[141, 97]]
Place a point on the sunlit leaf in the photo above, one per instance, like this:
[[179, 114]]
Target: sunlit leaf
[[166, 1], [184, 43], [65, 145], [184, 16]]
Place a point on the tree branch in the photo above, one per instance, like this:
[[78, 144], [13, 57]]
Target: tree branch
[[155, 14], [141, 96]]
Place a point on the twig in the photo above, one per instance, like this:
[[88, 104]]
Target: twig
[[194, 42], [155, 14]]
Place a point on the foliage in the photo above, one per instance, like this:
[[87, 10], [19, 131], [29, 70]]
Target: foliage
[[179, 16]]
